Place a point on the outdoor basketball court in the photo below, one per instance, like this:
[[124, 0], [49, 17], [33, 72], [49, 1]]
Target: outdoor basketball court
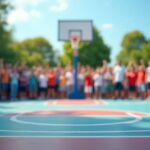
[[75, 124], [74, 120]]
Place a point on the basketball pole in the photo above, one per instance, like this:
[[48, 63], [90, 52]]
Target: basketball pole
[[76, 94]]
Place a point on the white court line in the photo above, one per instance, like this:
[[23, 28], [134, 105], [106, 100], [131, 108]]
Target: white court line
[[75, 132], [104, 102], [75, 136], [136, 119], [100, 102]]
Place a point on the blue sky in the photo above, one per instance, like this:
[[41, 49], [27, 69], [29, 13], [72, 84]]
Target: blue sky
[[113, 18]]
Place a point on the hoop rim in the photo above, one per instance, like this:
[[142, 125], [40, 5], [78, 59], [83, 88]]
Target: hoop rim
[[72, 40], [75, 42]]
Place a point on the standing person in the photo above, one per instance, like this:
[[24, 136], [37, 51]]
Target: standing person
[[27, 74], [119, 76], [148, 80], [97, 78], [5, 80], [108, 77], [105, 65], [81, 80], [141, 81], [131, 75], [33, 85], [43, 84], [0, 83], [1, 68], [23, 85], [62, 84], [51, 83], [14, 84], [70, 80], [88, 85], [57, 75]]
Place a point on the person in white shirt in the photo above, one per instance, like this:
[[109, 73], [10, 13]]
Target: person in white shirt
[[98, 83], [81, 76], [43, 84], [148, 80], [119, 77], [70, 80], [108, 78]]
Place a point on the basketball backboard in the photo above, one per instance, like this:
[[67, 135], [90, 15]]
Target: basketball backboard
[[82, 28]]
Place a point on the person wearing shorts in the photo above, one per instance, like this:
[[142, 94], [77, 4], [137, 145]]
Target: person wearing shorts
[[81, 80], [5, 82], [14, 84], [33, 85], [98, 79], [108, 77], [88, 85], [131, 76], [62, 85], [57, 76], [43, 84], [148, 80], [141, 81], [23, 85], [51, 84], [119, 76], [70, 80], [0, 82]]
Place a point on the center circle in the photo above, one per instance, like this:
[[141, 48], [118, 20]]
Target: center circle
[[78, 113]]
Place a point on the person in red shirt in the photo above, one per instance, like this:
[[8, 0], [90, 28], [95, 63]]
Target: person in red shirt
[[141, 81], [88, 85], [51, 83], [131, 76]]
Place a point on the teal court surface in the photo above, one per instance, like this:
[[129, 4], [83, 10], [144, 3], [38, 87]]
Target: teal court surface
[[75, 119]]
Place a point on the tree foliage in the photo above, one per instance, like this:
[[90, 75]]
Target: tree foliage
[[134, 47], [133, 40], [5, 32], [35, 50], [31, 51], [90, 53]]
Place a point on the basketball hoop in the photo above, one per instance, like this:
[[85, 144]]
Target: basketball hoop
[[75, 31], [75, 39]]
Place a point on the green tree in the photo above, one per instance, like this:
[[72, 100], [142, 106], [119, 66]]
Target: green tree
[[133, 47], [6, 52], [146, 51], [90, 53], [38, 47], [133, 40]]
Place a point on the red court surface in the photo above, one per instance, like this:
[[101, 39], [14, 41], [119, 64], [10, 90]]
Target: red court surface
[[76, 102], [104, 113]]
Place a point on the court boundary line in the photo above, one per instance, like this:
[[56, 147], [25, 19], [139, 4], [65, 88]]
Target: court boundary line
[[74, 136], [76, 132], [137, 118]]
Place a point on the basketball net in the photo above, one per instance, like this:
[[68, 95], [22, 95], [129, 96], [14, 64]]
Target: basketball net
[[75, 39]]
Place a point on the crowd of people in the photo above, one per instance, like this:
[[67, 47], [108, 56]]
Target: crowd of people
[[20, 82]]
